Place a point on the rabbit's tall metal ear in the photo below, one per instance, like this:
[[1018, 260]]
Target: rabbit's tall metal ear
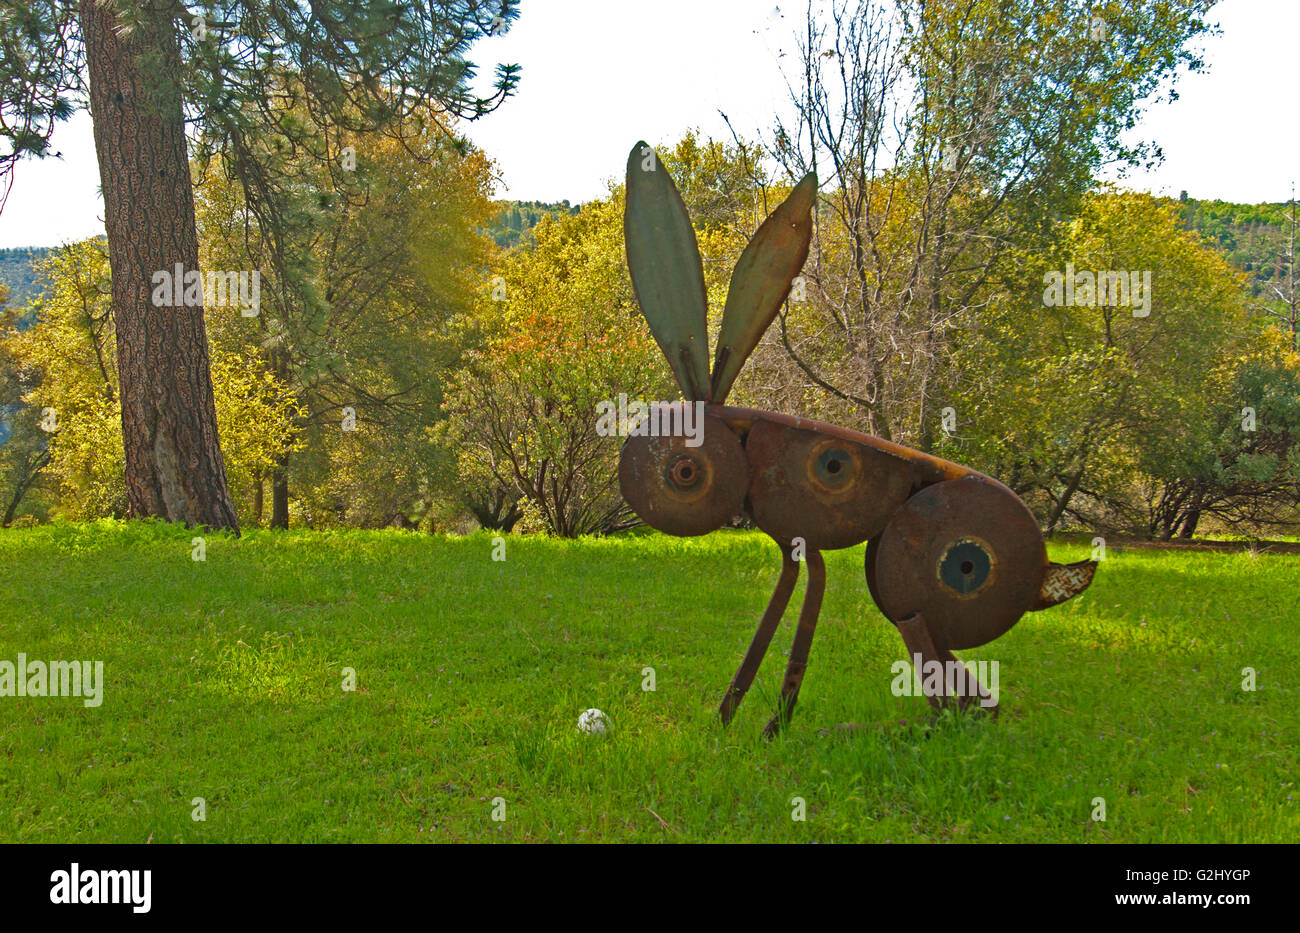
[[667, 274], [761, 281]]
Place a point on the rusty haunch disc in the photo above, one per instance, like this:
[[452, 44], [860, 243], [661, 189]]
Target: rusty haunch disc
[[823, 488], [966, 554], [685, 490]]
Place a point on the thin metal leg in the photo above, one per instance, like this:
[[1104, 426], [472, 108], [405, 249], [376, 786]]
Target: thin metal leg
[[762, 635], [961, 687], [794, 671]]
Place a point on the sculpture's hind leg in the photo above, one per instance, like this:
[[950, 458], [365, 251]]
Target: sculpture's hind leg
[[794, 671], [762, 635], [960, 686]]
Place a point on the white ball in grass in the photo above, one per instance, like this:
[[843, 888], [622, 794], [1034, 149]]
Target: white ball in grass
[[593, 722]]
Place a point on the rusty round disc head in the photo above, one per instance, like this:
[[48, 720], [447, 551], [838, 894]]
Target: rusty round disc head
[[685, 490], [828, 490], [966, 554]]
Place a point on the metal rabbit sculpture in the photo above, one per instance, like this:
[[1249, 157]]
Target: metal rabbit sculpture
[[954, 558]]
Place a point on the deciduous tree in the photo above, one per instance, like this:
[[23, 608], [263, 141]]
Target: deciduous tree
[[153, 65]]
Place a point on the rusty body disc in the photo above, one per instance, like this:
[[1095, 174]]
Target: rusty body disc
[[826, 489], [966, 554], [685, 490]]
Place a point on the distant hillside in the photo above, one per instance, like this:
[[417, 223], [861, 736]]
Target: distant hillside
[[1253, 237], [517, 218], [16, 270]]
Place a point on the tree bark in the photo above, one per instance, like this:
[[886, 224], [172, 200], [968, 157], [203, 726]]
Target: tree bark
[[174, 466], [1058, 508], [280, 494], [1193, 516]]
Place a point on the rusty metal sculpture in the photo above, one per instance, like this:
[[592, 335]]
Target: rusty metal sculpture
[[954, 558]]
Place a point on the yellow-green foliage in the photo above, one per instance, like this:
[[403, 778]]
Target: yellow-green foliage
[[72, 348], [560, 332], [381, 262], [1045, 393], [256, 417]]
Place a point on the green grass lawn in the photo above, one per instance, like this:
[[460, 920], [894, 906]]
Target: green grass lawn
[[224, 681]]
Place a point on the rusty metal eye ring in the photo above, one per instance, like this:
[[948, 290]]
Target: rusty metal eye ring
[[684, 473], [832, 467]]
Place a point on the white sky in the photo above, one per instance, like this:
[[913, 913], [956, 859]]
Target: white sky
[[600, 74]]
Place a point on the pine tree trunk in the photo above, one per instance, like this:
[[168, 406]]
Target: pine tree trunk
[[174, 466], [280, 494]]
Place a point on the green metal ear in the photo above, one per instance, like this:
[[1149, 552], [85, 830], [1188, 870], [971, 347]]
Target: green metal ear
[[761, 281], [667, 274]]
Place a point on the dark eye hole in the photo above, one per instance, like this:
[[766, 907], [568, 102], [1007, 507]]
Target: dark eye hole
[[965, 567], [833, 468]]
